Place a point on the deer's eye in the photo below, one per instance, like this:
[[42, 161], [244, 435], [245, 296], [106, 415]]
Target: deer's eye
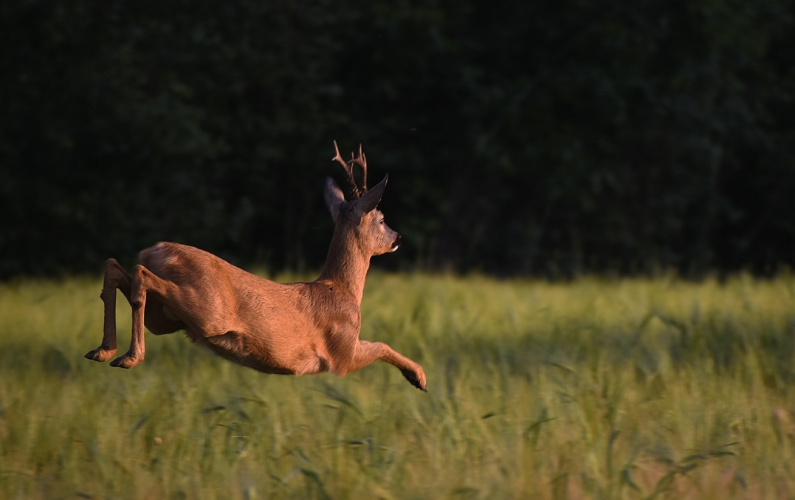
[[381, 221]]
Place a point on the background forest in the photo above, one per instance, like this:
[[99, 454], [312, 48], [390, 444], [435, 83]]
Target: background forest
[[521, 138]]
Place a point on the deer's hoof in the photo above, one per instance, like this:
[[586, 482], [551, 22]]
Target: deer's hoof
[[417, 379], [127, 361], [100, 354]]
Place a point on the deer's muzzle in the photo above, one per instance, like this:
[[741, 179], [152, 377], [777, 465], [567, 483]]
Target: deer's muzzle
[[396, 244]]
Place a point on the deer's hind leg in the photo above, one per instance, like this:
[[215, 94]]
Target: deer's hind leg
[[115, 277], [144, 282]]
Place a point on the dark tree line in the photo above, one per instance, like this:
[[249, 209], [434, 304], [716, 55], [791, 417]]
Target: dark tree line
[[520, 137]]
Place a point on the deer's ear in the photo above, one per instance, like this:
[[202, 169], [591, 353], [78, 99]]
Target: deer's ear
[[370, 199], [334, 198]]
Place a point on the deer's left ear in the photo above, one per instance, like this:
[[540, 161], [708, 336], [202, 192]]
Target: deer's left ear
[[334, 198], [370, 199]]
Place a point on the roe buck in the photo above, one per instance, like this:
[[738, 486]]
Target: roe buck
[[296, 328]]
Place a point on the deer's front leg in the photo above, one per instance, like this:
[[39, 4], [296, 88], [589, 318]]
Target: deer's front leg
[[115, 277], [367, 352]]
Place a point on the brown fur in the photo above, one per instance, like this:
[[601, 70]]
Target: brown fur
[[296, 328]]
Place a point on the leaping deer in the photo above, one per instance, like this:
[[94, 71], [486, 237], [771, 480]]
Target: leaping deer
[[296, 328]]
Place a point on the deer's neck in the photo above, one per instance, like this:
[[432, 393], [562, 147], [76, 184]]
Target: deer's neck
[[346, 263]]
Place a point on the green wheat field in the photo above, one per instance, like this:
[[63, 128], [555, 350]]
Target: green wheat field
[[598, 388]]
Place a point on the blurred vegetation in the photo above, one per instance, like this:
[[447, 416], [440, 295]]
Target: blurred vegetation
[[620, 389], [521, 138]]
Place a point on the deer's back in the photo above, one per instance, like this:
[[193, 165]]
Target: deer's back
[[214, 293]]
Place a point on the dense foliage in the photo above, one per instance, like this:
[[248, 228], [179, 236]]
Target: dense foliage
[[531, 138]]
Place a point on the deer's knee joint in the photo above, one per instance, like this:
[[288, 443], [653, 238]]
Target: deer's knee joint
[[107, 293], [140, 276]]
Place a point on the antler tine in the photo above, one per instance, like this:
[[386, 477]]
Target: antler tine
[[348, 166], [362, 162]]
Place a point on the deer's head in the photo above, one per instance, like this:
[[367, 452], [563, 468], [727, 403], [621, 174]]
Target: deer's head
[[359, 216]]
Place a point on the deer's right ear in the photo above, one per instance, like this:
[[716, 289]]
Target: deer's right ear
[[334, 198], [370, 199]]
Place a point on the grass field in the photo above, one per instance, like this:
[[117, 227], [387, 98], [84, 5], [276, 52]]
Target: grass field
[[593, 389]]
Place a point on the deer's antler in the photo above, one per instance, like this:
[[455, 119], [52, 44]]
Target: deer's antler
[[362, 162], [348, 166]]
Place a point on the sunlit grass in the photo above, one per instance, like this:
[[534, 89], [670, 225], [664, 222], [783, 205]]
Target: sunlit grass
[[592, 389]]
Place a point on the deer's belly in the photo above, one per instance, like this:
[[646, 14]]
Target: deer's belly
[[255, 353]]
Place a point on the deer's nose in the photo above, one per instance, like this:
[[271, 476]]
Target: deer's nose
[[396, 244]]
